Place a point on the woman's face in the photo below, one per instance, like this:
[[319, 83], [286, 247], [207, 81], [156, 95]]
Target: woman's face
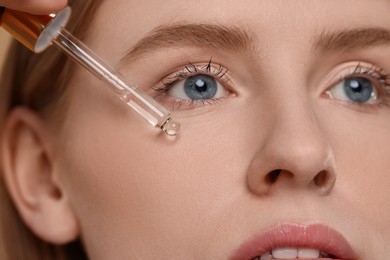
[[285, 122]]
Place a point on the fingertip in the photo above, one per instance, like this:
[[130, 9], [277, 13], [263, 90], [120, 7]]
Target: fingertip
[[47, 6], [56, 5], [40, 7]]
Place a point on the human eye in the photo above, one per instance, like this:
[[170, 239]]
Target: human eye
[[362, 84], [194, 86]]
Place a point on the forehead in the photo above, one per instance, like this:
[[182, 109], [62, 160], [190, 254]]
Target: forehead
[[122, 23]]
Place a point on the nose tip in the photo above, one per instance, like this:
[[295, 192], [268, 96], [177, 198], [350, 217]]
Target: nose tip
[[295, 150]]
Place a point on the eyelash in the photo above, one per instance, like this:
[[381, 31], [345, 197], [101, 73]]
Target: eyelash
[[216, 71], [380, 81]]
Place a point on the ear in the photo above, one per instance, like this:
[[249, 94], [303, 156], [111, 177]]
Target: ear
[[31, 176]]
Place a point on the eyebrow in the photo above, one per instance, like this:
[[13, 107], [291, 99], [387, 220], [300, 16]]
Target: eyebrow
[[215, 36], [212, 36], [351, 39]]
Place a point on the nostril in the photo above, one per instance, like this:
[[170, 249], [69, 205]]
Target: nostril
[[272, 176], [264, 183], [321, 179]]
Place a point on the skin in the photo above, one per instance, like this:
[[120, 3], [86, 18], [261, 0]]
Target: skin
[[131, 193]]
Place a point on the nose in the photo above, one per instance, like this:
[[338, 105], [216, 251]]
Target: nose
[[294, 155]]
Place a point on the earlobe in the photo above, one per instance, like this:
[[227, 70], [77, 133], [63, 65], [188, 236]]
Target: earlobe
[[30, 176]]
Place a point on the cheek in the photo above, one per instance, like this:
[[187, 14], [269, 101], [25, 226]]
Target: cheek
[[130, 183], [361, 145]]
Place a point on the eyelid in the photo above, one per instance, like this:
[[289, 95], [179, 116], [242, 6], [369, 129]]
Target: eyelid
[[372, 72], [218, 71], [375, 74]]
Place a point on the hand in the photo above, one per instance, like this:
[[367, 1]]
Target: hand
[[35, 6]]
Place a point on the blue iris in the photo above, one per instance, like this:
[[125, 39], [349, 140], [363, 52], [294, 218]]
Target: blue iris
[[200, 87], [358, 90]]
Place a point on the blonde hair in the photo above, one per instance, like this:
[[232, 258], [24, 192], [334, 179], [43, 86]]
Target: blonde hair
[[37, 82]]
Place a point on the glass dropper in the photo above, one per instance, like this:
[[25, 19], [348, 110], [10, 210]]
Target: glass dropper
[[38, 32]]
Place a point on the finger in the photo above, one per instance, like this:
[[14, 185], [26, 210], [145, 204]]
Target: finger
[[35, 6]]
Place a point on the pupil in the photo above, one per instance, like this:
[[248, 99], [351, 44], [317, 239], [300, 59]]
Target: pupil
[[201, 86], [355, 85], [358, 90]]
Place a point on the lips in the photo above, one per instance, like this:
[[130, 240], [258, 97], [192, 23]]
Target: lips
[[329, 243]]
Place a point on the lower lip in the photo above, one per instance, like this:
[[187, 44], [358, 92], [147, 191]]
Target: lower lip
[[295, 235]]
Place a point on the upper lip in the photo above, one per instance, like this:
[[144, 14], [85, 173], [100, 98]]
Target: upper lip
[[316, 236]]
